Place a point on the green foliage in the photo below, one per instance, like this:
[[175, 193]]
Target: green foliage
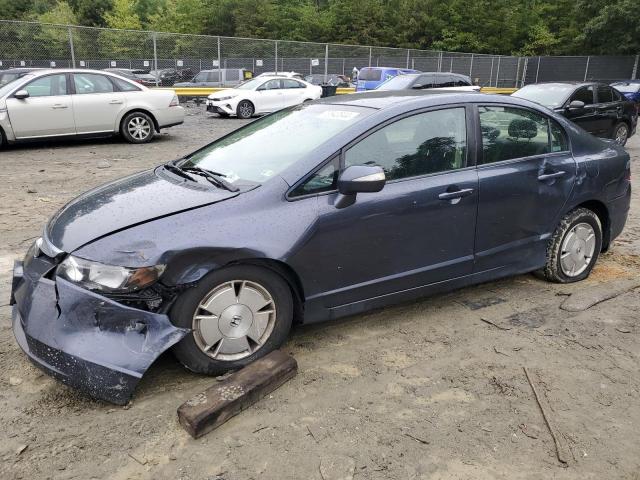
[[525, 27]]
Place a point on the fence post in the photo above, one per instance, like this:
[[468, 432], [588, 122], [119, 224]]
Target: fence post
[[369, 56], [517, 72], [471, 69], [524, 72], [634, 74], [276, 57], [219, 63], [491, 74], [408, 54], [440, 62], [154, 36], [538, 69], [498, 71], [73, 53], [586, 70], [326, 61]]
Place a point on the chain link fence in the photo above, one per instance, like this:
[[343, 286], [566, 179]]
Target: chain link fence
[[29, 44]]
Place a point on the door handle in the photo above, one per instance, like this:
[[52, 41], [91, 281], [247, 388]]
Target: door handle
[[59, 106], [549, 176], [115, 102], [465, 192]]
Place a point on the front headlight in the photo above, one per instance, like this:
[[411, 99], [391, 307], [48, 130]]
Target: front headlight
[[107, 278], [221, 99]]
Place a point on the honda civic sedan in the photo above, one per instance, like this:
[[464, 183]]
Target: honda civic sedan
[[59, 103], [315, 212]]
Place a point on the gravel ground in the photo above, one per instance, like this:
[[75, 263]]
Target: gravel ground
[[421, 390]]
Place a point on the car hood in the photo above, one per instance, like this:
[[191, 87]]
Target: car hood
[[124, 203]]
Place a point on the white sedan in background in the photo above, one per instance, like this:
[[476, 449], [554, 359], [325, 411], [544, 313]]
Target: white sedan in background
[[261, 95], [55, 103]]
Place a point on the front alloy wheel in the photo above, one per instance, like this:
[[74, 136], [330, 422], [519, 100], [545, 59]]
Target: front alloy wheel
[[234, 320], [236, 315]]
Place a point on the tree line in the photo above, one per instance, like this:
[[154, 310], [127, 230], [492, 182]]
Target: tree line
[[509, 27]]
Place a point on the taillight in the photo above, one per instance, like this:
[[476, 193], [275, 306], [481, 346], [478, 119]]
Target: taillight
[[174, 101]]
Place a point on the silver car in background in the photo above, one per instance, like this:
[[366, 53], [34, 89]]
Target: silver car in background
[[66, 103]]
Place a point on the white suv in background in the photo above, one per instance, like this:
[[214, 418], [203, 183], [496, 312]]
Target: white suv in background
[[262, 94], [60, 103]]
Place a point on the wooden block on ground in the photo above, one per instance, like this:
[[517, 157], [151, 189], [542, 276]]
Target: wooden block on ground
[[217, 404]]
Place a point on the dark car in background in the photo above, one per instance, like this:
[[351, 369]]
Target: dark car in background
[[168, 76], [11, 74], [218, 253], [598, 108], [139, 76], [421, 81], [340, 81], [630, 89]]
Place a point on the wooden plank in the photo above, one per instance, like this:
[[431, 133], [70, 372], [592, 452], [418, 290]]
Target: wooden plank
[[217, 404]]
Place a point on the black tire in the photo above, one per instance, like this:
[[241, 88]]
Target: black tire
[[3, 139], [245, 109], [187, 350], [553, 270], [621, 133], [129, 131]]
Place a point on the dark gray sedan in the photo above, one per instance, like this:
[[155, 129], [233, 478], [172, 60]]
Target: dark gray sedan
[[315, 212]]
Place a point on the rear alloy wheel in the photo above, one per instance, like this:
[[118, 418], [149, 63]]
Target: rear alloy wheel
[[137, 127], [574, 247], [245, 109], [621, 133], [235, 315]]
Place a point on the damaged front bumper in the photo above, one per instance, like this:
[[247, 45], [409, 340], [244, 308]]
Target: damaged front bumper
[[83, 339]]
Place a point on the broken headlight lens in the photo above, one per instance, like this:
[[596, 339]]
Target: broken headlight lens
[[107, 278]]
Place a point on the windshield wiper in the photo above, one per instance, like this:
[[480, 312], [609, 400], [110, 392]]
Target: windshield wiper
[[216, 178], [178, 171]]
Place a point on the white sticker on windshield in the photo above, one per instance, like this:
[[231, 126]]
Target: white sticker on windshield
[[267, 173], [339, 115]]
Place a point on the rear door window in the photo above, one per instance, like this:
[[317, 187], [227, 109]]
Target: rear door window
[[509, 133], [288, 83], [86, 83]]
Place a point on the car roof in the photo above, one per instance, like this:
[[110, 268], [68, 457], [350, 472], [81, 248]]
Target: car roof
[[575, 83], [412, 99], [21, 69]]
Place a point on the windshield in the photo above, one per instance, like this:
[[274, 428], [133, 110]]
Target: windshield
[[627, 87], [397, 83], [5, 88], [251, 84], [6, 78], [270, 144], [548, 94]]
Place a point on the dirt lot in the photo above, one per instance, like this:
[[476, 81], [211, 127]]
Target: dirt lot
[[422, 390]]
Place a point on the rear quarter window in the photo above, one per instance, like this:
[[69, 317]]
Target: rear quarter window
[[369, 74]]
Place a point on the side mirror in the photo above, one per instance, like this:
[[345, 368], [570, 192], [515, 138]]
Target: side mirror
[[576, 105], [21, 94], [358, 179]]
